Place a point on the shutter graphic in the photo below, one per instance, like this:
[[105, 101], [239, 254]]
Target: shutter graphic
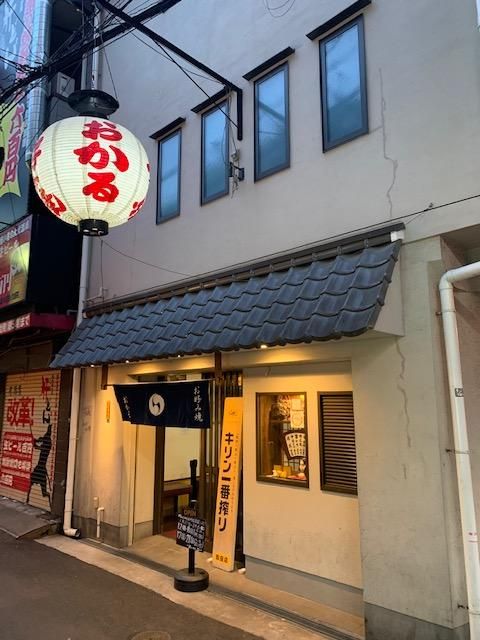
[[29, 437], [337, 442]]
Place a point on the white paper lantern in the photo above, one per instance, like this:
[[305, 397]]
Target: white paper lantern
[[90, 172]]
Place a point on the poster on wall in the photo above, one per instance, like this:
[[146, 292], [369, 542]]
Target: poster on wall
[[14, 261], [29, 436], [17, 20]]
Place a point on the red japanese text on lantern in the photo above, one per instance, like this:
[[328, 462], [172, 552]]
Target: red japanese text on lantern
[[136, 208], [100, 156], [50, 200], [36, 152], [105, 130]]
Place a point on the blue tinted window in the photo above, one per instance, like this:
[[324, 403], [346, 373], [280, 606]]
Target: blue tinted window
[[169, 177], [344, 101], [215, 160], [272, 149]]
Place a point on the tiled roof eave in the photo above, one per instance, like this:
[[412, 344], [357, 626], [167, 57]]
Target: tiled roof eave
[[319, 301]]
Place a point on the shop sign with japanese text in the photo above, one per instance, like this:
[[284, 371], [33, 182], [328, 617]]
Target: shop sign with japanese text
[[228, 485], [14, 260], [28, 444], [165, 404]]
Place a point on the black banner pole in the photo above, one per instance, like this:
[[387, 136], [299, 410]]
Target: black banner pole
[[192, 503]]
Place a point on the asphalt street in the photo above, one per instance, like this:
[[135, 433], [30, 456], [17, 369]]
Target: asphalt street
[[46, 595]]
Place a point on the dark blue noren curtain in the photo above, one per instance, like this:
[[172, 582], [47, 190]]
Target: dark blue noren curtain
[[165, 404]]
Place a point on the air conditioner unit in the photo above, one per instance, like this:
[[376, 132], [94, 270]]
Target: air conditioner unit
[[62, 85]]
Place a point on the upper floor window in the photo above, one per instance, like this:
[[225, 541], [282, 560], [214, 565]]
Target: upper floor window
[[215, 158], [169, 153], [344, 94], [272, 144]]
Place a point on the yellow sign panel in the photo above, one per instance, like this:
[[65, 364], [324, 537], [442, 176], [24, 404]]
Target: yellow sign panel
[[228, 485], [11, 132]]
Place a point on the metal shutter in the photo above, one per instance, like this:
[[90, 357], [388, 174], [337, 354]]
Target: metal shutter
[[29, 437], [337, 443]]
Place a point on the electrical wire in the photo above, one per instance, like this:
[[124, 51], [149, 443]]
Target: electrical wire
[[184, 71], [194, 73], [148, 264], [272, 9], [109, 69]]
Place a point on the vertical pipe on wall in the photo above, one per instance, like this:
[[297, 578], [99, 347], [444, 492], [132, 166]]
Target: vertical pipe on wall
[[37, 97], [68, 530], [460, 434]]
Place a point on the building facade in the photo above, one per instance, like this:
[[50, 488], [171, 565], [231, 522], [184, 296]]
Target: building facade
[[297, 263], [39, 265]]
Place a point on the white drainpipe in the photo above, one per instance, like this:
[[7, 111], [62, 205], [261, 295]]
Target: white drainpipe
[[462, 452], [68, 530]]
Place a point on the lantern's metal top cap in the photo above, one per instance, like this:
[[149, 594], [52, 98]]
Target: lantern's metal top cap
[[92, 102]]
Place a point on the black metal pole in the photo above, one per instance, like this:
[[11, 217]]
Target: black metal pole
[[193, 481], [134, 22], [191, 561], [193, 502]]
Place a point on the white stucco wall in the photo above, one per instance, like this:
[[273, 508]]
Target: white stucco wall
[[424, 107], [412, 561], [306, 529]]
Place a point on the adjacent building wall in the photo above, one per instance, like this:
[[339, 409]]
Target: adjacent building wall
[[411, 545]]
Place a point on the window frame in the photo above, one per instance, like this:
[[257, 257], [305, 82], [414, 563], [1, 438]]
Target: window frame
[[159, 218], [359, 21], [203, 199], [325, 485], [260, 477], [258, 175]]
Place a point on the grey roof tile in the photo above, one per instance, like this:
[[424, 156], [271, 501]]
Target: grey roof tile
[[322, 300]]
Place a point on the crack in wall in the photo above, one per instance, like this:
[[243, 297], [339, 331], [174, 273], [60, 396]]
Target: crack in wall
[[384, 142], [401, 388]]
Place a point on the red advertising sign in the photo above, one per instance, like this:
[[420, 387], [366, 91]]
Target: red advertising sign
[[28, 444], [14, 259], [17, 457]]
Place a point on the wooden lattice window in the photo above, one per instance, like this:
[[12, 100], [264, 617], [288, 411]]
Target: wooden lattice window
[[337, 442]]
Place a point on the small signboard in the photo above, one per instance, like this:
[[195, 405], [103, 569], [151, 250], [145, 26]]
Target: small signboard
[[191, 532]]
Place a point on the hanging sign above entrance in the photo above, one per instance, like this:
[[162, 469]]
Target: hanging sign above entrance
[[165, 404]]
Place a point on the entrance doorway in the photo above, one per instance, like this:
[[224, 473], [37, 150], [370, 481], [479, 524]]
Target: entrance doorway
[[165, 461]]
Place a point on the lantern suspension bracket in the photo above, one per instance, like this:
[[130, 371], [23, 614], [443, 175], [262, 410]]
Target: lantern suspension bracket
[[158, 39], [92, 102]]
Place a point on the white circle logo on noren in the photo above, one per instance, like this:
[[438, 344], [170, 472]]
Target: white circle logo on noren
[[156, 404]]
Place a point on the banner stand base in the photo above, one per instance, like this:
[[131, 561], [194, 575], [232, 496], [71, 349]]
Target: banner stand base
[[191, 582]]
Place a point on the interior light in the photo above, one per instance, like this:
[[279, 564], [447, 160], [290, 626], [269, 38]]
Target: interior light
[[264, 346]]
